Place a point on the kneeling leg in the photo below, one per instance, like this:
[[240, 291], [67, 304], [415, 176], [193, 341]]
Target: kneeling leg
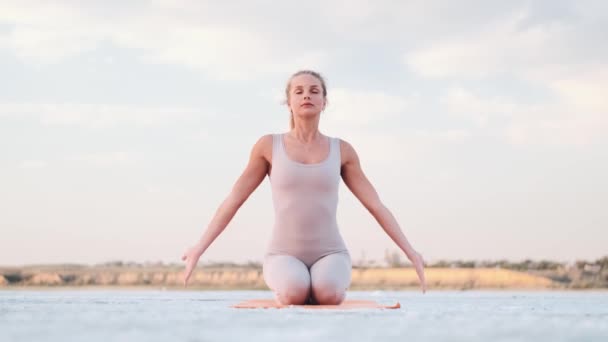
[[288, 278], [330, 278]]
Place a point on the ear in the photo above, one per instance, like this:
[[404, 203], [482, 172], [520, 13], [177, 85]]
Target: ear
[[287, 103]]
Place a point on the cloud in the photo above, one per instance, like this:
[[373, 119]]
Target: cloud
[[33, 164], [565, 121], [462, 103], [584, 88], [105, 159], [98, 115], [509, 47], [557, 49], [558, 54], [527, 39], [44, 47], [447, 135], [565, 126], [42, 33], [361, 108], [158, 33], [229, 53], [352, 113], [245, 40], [96, 159]]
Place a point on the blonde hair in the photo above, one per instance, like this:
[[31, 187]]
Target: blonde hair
[[288, 87]]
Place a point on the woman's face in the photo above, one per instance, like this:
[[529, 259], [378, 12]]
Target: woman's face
[[306, 96]]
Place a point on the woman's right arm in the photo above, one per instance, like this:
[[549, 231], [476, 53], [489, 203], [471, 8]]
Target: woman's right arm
[[255, 172]]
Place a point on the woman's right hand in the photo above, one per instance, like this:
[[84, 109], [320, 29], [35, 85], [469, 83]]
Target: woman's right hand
[[191, 258]]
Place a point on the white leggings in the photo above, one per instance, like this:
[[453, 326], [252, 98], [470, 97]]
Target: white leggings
[[292, 282]]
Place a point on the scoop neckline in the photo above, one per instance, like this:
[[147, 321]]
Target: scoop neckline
[[281, 137]]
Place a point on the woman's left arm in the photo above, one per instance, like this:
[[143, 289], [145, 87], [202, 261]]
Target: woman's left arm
[[360, 186]]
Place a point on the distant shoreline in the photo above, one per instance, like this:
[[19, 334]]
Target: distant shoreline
[[202, 289], [251, 278]]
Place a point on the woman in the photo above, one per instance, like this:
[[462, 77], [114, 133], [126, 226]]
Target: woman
[[306, 261]]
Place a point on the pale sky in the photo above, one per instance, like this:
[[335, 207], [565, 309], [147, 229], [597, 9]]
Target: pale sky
[[482, 125]]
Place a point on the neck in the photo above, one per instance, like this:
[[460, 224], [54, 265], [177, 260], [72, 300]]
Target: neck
[[306, 130]]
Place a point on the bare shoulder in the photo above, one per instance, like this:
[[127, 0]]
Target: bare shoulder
[[263, 147], [347, 152]]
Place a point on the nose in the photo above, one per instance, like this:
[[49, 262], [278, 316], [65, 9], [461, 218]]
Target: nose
[[307, 97]]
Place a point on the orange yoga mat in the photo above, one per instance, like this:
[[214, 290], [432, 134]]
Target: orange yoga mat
[[346, 304]]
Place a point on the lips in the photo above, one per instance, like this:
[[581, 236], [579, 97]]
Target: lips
[[307, 104]]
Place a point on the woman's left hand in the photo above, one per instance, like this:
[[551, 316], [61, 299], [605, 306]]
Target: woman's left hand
[[418, 263]]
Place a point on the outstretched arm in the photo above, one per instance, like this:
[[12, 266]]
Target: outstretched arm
[[250, 179], [360, 186]]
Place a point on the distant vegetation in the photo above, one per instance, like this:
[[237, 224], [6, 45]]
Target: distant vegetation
[[578, 274], [396, 259], [462, 274]]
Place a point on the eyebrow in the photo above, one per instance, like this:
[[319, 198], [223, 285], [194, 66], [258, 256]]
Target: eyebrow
[[312, 86]]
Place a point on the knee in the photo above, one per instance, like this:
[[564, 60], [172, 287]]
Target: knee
[[328, 294], [294, 294]]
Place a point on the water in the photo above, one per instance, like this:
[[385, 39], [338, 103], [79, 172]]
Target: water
[[149, 315]]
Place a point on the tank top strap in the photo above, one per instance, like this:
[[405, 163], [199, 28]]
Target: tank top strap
[[335, 141], [276, 146]]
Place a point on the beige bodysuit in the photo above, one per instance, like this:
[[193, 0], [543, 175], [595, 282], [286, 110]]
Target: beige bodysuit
[[305, 198]]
